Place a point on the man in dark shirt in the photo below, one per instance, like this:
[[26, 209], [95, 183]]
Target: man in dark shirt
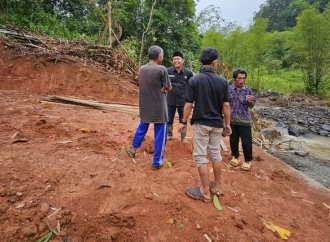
[[209, 93], [154, 83], [179, 77]]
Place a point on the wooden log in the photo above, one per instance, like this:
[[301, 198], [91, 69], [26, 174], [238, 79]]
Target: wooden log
[[112, 107]]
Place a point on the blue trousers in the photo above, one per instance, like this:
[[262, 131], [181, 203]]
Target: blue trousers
[[171, 113], [160, 137]]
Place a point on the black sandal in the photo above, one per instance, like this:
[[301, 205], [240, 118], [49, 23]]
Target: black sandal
[[130, 152], [214, 191], [195, 193]]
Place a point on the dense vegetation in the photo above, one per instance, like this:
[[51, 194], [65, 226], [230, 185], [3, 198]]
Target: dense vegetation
[[287, 48], [282, 14]]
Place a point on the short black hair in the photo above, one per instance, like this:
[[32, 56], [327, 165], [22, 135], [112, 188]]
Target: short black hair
[[154, 51], [208, 55], [239, 71]]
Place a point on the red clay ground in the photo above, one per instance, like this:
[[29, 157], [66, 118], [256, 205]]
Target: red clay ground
[[48, 163]]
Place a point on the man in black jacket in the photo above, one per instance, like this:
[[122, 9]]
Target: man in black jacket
[[179, 77]]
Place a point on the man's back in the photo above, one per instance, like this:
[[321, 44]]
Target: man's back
[[208, 91], [152, 102]]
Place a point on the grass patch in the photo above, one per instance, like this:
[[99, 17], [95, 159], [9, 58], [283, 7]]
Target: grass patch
[[284, 82]]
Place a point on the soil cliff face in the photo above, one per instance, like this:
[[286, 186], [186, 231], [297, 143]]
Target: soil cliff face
[[67, 166], [51, 74]]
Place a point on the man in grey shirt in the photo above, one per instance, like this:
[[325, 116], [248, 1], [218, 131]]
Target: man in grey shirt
[[154, 83]]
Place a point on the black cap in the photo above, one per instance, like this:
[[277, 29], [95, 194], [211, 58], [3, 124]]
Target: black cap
[[177, 53]]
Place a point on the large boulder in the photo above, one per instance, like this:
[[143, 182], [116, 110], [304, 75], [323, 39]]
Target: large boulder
[[270, 134], [273, 93], [323, 132], [296, 130], [272, 151], [281, 125], [326, 127]]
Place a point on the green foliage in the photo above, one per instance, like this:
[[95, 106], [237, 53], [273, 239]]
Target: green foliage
[[129, 14], [297, 60], [47, 236], [286, 82], [209, 19], [216, 203], [173, 24], [131, 45], [311, 47], [242, 48], [230, 47], [53, 17], [324, 89], [282, 14], [256, 42], [173, 28]]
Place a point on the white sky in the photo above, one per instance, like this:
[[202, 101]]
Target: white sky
[[239, 11]]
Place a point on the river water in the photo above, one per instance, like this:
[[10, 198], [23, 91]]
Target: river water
[[317, 145]]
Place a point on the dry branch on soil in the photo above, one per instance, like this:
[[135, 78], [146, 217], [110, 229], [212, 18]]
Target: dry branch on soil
[[102, 57], [95, 105]]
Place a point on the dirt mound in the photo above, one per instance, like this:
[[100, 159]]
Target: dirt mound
[[39, 72], [67, 166]]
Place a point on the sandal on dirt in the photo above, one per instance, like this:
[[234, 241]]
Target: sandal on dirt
[[130, 152], [214, 191], [195, 193], [246, 166], [235, 162]]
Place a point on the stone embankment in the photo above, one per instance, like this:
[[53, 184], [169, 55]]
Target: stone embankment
[[315, 119], [300, 116]]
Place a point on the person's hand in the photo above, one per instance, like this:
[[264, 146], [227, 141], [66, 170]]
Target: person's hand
[[249, 98], [229, 129], [163, 90], [181, 128]]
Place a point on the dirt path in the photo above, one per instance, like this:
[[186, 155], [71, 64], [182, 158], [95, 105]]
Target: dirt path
[[51, 162]]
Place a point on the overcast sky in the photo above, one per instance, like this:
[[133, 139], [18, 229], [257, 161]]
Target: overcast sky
[[240, 11]]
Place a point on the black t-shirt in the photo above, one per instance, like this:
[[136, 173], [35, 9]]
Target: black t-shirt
[[176, 97], [208, 91]]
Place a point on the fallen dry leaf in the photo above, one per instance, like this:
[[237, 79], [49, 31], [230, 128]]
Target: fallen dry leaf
[[85, 130], [279, 232]]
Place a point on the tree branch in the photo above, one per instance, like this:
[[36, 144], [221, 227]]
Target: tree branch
[[145, 31]]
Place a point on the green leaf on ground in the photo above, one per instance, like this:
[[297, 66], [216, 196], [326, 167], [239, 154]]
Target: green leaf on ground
[[46, 237], [216, 203], [181, 226]]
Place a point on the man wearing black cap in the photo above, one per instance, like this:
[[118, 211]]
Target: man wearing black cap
[[179, 76]]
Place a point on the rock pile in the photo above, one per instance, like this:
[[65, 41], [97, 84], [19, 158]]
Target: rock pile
[[315, 119]]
